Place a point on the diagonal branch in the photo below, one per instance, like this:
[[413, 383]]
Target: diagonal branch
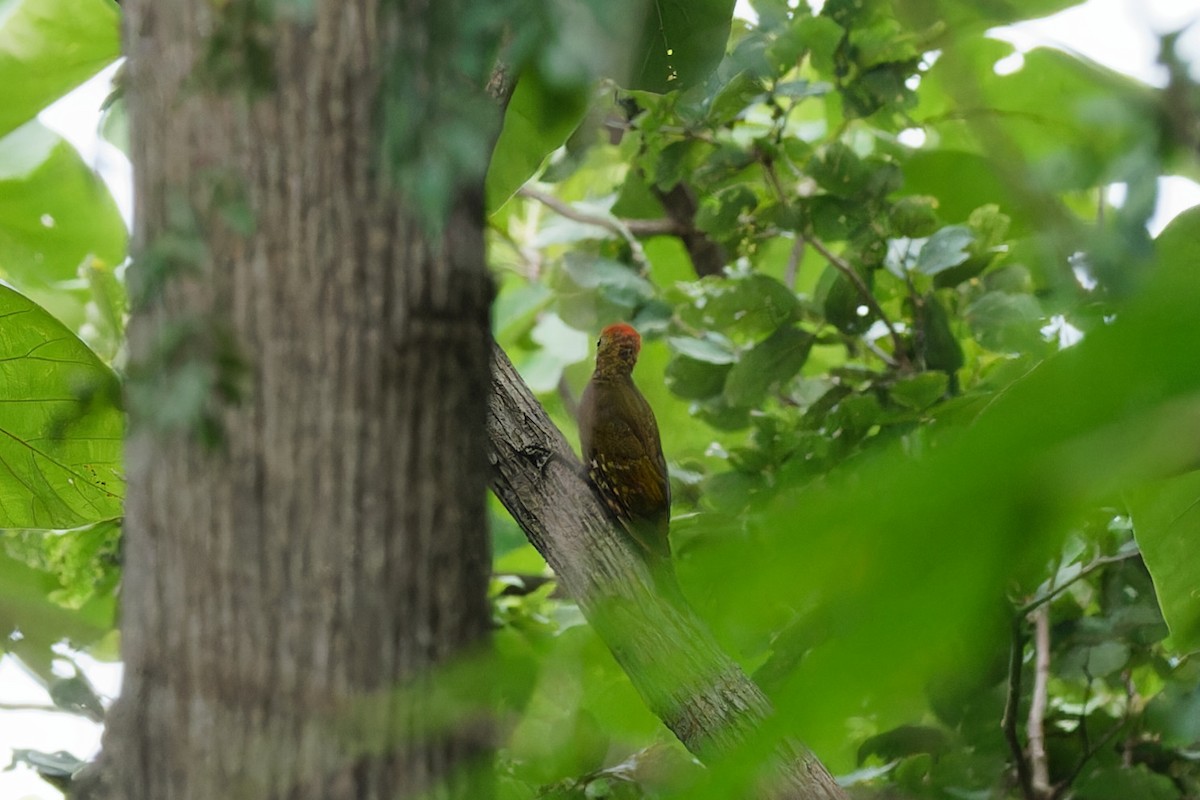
[[628, 230], [674, 662]]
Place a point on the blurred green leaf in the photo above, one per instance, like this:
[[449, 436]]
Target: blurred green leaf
[[48, 47], [1006, 322], [537, 121], [1166, 518], [1115, 783], [1026, 467], [920, 391], [55, 213], [40, 623]]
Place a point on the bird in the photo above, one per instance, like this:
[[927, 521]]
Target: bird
[[622, 450]]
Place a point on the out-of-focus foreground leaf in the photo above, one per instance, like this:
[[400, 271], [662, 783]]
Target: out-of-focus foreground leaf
[[48, 47], [986, 505]]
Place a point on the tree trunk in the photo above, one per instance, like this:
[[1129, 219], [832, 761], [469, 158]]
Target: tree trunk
[[287, 592]]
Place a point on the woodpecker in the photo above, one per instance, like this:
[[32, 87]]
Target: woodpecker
[[621, 446]]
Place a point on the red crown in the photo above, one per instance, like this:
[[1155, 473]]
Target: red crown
[[621, 330]]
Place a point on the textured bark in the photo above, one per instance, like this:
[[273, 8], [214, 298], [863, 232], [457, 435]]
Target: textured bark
[[685, 678], [285, 598]]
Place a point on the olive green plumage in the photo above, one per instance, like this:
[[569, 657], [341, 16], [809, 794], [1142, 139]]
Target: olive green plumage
[[621, 446]]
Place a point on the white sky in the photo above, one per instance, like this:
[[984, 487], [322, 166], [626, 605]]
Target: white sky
[[1120, 34]]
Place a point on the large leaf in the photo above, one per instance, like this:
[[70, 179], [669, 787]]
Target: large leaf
[[772, 361], [536, 123], [60, 427], [48, 47], [1046, 114], [54, 211], [957, 16], [1166, 515], [1166, 519], [985, 506], [681, 43]]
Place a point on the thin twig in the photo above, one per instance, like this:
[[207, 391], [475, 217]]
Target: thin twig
[[868, 297], [35, 707], [1101, 561], [1011, 708], [628, 230], [1036, 725], [793, 264], [843, 266]]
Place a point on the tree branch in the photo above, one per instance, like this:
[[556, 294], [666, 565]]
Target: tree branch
[[628, 229], [35, 707], [1095, 564], [672, 659], [1036, 725], [1011, 707], [680, 203], [864, 291]]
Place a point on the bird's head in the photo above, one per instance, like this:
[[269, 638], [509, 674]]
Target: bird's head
[[618, 349]]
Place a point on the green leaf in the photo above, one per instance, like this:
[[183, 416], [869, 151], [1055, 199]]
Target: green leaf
[[905, 740], [720, 213], [842, 302], [1006, 322], [681, 43], [588, 271], [60, 427], [821, 36], [914, 217], [48, 47], [1166, 520], [1112, 782], [57, 768], [709, 350], [771, 362], [536, 123], [839, 170], [1053, 443], [940, 174], [54, 211], [918, 392], [1048, 113], [695, 379], [945, 249], [955, 15], [1098, 661], [745, 307], [733, 98], [1174, 714]]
